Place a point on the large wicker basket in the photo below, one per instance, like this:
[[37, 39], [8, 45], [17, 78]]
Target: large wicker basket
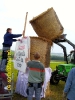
[[42, 46], [47, 24]]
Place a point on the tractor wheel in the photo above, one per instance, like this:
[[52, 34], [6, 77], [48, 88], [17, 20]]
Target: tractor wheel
[[53, 80]]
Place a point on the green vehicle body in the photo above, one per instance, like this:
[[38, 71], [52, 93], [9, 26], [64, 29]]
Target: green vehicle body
[[64, 69], [61, 73]]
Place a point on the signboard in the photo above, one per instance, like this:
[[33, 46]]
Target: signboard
[[22, 51]]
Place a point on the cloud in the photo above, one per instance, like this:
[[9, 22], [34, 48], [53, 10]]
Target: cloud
[[12, 14]]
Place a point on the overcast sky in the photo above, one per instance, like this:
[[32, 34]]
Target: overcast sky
[[12, 14]]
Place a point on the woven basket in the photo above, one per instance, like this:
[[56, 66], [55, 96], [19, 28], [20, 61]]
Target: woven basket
[[42, 46], [47, 25]]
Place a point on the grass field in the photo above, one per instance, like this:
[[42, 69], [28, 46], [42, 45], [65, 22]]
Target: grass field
[[55, 91]]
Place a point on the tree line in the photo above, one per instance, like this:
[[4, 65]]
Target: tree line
[[59, 58], [52, 57]]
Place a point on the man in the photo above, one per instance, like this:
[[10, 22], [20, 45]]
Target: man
[[36, 77], [8, 40], [69, 90]]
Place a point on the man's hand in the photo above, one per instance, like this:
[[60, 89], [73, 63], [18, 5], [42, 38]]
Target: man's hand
[[64, 95], [26, 60], [19, 40]]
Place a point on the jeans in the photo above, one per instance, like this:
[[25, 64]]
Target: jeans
[[37, 88], [4, 58], [5, 53]]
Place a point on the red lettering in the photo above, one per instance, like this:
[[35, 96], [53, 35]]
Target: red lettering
[[21, 47]]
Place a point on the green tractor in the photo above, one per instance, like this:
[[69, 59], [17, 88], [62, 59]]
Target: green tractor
[[62, 70]]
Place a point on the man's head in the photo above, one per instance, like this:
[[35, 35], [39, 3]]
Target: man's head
[[9, 30], [37, 56]]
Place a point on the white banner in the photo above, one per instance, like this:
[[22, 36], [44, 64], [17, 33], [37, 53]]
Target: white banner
[[22, 51]]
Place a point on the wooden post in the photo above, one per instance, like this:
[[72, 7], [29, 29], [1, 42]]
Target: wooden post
[[25, 23]]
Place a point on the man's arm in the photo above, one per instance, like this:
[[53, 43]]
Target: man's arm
[[68, 82], [43, 74], [28, 62], [15, 35]]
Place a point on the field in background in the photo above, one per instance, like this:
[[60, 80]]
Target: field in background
[[55, 91], [53, 64]]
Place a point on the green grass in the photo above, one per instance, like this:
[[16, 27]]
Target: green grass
[[53, 64], [15, 72], [55, 91]]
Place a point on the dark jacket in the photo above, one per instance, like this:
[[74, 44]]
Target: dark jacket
[[9, 39]]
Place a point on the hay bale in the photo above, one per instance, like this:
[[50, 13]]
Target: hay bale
[[47, 25], [47, 92], [42, 46]]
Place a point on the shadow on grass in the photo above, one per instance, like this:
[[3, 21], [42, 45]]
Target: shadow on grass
[[19, 97]]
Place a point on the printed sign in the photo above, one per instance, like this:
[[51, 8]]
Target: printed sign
[[22, 51]]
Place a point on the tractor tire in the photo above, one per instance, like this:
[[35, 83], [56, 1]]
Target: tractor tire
[[53, 80]]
